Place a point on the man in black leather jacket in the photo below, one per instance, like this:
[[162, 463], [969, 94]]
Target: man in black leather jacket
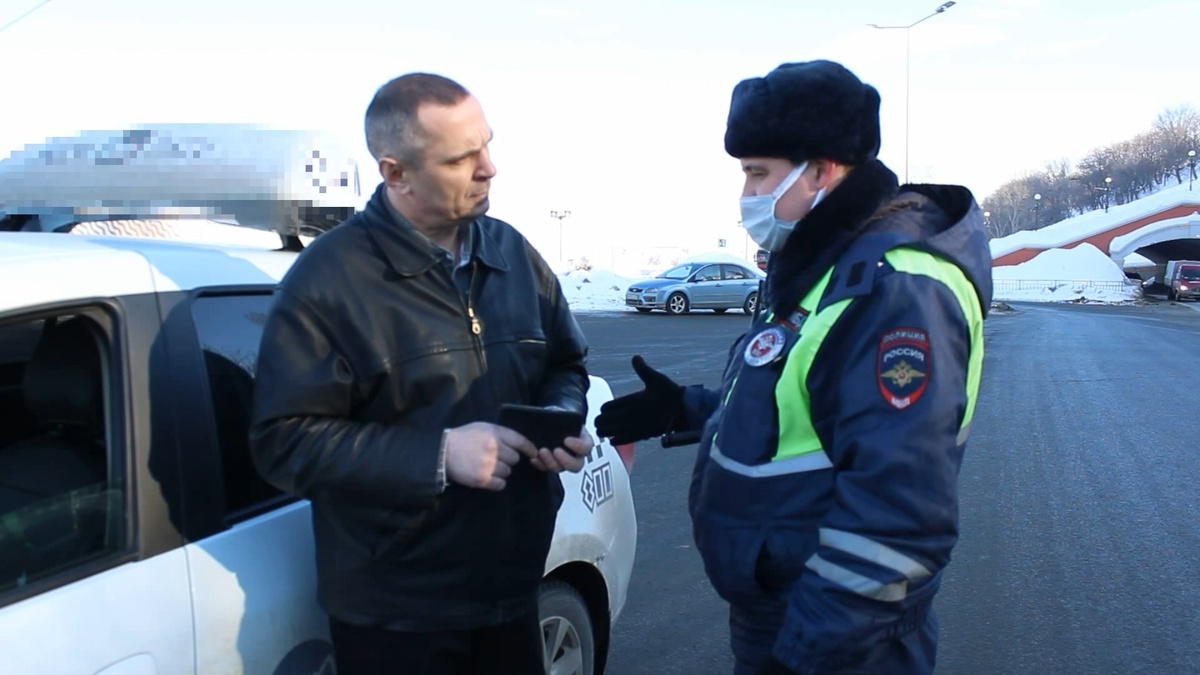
[[393, 341]]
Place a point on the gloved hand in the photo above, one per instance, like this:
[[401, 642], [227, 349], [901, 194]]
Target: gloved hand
[[772, 666], [651, 412]]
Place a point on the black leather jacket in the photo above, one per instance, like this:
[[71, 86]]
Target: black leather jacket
[[370, 352]]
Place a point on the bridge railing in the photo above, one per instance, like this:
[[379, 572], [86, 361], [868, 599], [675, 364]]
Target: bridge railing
[[1055, 284]]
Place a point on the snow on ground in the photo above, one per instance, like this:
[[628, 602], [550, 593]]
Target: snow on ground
[[1080, 274], [594, 290]]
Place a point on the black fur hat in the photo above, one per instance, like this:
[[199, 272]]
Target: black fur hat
[[803, 111]]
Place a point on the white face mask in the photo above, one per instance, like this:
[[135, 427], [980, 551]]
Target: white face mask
[[758, 213]]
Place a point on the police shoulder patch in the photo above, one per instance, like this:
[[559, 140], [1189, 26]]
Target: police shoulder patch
[[765, 347], [905, 360]]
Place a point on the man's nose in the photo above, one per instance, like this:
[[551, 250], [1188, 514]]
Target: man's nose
[[486, 169]]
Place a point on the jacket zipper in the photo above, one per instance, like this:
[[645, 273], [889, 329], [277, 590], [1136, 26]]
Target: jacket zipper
[[476, 327], [476, 332]]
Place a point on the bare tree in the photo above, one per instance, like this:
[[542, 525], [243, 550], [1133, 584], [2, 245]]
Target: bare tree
[[1178, 129], [1137, 166]]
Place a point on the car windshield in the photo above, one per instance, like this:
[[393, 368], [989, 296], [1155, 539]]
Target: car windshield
[[680, 272], [1190, 273]]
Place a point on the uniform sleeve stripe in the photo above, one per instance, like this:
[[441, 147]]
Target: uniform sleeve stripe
[[873, 551], [812, 461], [864, 586]]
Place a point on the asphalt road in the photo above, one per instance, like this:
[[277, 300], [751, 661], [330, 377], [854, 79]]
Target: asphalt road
[[673, 621], [1080, 547]]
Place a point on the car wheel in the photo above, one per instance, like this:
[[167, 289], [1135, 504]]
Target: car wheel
[[567, 640], [677, 304], [751, 303], [643, 310]]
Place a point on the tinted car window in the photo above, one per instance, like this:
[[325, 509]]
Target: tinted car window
[[62, 502], [709, 273], [229, 328], [735, 272]]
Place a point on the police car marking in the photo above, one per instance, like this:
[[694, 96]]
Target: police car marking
[[597, 486]]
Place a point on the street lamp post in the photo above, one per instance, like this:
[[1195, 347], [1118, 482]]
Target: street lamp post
[[1037, 204], [561, 215], [987, 221], [1191, 168], [1107, 191], [908, 69]]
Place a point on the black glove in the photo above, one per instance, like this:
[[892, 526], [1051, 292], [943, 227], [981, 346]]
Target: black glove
[[650, 412], [772, 666]]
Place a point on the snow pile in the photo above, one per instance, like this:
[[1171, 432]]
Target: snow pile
[[1079, 274], [594, 290]]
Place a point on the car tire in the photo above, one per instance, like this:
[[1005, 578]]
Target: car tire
[[751, 303], [677, 304], [568, 642], [643, 310]]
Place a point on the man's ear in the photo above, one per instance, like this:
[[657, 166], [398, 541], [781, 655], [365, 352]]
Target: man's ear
[[395, 175], [825, 171]]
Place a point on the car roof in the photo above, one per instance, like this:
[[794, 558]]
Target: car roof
[[38, 268], [734, 263]]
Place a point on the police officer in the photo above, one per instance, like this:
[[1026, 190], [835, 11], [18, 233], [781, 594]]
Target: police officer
[[824, 499]]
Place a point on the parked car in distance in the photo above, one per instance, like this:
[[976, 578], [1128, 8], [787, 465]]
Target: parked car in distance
[[761, 258], [716, 285]]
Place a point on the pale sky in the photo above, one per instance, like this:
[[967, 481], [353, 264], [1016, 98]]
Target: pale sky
[[613, 110]]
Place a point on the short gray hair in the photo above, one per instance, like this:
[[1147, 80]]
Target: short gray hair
[[391, 121]]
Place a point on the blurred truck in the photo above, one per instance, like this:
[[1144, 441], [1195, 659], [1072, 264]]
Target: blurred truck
[[1182, 279]]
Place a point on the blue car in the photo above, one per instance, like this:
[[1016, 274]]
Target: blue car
[[719, 286]]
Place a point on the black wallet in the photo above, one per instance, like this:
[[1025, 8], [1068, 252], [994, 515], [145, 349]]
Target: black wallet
[[545, 428]]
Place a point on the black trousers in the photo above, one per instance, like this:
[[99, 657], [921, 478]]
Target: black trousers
[[513, 648]]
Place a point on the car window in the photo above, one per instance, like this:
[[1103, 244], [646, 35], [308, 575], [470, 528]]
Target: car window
[[709, 273], [62, 500], [680, 272], [735, 272], [229, 328]]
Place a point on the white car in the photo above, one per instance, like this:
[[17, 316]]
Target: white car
[[136, 536]]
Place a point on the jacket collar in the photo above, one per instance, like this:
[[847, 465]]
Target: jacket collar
[[826, 232], [411, 253]]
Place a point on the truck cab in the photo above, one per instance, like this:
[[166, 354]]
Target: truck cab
[[1182, 279]]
